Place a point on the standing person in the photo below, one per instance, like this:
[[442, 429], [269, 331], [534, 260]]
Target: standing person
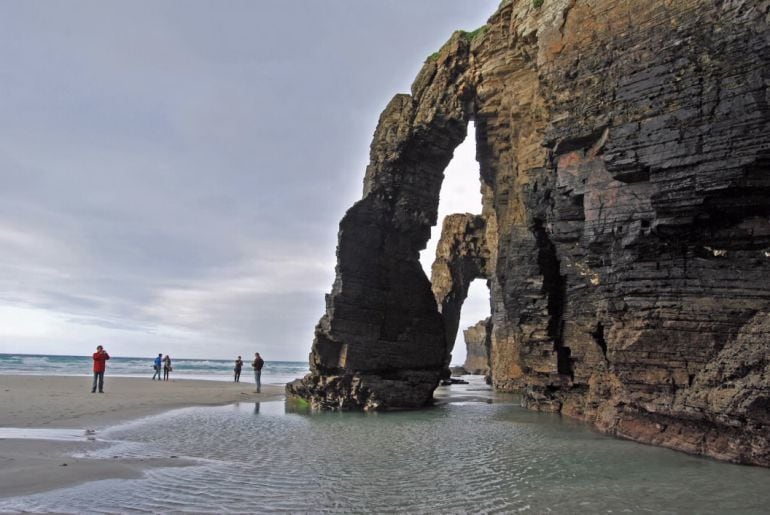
[[237, 369], [257, 365], [156, 366], [100, 364], [166, 367]]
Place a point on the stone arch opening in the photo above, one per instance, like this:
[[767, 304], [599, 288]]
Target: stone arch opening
[[460, 196], [460, 192], [472, 345]]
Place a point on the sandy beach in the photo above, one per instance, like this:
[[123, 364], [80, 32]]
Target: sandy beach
[[66, 402]]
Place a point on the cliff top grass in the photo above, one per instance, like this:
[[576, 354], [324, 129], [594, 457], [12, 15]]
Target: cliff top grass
[[470, 36]]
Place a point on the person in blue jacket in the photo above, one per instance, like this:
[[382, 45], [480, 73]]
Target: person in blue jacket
[[156, 365]]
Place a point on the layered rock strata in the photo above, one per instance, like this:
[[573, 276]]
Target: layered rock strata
[[624, 150]]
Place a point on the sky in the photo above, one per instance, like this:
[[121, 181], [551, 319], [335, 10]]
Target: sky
[[173, 173]]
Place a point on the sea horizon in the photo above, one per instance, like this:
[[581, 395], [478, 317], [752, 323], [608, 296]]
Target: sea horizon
[[137, 366], [274, 372], [139, 357]]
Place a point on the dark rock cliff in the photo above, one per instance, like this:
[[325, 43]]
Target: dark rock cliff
[[624, 150]]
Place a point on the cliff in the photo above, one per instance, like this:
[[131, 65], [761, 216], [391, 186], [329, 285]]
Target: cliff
[[624, 150]]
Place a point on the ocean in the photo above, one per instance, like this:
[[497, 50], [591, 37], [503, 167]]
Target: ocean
[[274, 372], [475, 451]]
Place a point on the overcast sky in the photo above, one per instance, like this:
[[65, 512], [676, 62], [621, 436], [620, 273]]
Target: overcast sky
[[172, 173]]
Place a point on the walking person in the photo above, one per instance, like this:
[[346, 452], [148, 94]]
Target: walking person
[[100, 364], [257, 365], [156, 365], [166, 367], [237, 369]]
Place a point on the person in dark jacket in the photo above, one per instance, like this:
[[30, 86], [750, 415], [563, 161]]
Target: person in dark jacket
[[166, 367], [257, 365], [237, 369], [100, 365]]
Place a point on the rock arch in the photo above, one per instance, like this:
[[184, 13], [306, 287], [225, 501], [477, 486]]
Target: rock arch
[[381, 343]]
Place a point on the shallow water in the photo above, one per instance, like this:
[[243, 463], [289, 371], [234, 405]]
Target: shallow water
[[466, 455]]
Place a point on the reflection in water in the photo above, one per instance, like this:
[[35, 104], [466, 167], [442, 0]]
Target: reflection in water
[[464, 455], [27, 433]]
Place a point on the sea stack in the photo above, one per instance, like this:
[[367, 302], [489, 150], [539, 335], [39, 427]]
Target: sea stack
[[624, 150], [478, 342]]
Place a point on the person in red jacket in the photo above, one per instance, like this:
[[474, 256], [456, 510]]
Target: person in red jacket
[[100, 364]]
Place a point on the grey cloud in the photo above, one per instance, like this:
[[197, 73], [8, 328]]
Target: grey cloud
[[157, 157]]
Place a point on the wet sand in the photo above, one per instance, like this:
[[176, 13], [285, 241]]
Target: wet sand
[[36, 465]]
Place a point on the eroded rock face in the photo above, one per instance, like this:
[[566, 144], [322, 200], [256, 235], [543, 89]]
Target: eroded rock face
[[647, 225], [624, 150], [478, 341]]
